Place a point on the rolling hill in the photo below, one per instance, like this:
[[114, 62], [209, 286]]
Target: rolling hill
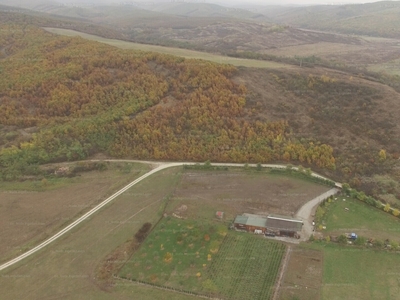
[[375, 19], [202, 10], [151, 106]]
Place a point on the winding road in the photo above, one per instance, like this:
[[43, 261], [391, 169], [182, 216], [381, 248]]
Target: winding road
[[304, 212]]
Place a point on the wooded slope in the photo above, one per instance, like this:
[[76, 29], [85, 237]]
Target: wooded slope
[[82, 97]]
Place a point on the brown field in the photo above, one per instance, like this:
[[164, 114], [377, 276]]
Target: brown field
[[30, 216], [303, 276], [67, 268], [237, 192], [353, 50]]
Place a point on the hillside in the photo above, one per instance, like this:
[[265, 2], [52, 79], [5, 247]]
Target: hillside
[[244, 38], [356, 115], [202, 10], [375, 19], [67, 98]]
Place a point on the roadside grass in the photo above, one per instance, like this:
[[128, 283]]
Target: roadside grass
[[190, 54], [352, 215], [205, 259], [66, 268], [352, 273]]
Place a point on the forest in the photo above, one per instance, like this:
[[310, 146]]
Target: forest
[[79, 98]]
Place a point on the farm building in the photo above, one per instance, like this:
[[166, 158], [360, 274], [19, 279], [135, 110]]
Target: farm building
[[282, 225], [250, 222]]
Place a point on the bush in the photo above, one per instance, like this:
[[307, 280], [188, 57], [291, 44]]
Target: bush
[[360, 241], [342, 239], [143, 232]]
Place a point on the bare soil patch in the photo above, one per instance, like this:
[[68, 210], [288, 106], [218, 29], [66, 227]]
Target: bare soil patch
[[237, 192], [303, 277]]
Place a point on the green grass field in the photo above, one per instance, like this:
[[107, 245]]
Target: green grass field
[[190, 54], [175, 254], [351, 273], [361, 218], [203, 258]]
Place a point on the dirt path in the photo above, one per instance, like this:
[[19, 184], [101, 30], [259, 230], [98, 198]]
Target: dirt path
[[282, 272], [307, 210]]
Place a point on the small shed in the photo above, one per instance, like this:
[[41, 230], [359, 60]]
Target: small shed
[[283, 225]]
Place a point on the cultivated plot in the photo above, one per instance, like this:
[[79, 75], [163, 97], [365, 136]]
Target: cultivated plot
[[205, 259], [246, 267], [238, 191], [303, 275]]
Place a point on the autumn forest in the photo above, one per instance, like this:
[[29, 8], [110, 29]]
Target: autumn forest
[[83, 98]]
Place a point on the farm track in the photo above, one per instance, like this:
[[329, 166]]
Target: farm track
[[181, 52], [159, 166], [305, 212], [282, 273]]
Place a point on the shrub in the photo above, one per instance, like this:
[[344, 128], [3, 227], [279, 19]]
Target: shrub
[[378, 244], [387, 207], [360, 241], [394, 245], [143, 232], [342, 239]]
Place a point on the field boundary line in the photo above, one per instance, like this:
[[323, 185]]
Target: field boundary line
[[282, 272], [165, 288]]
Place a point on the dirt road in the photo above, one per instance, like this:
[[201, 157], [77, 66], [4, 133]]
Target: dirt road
[[307, 210]]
